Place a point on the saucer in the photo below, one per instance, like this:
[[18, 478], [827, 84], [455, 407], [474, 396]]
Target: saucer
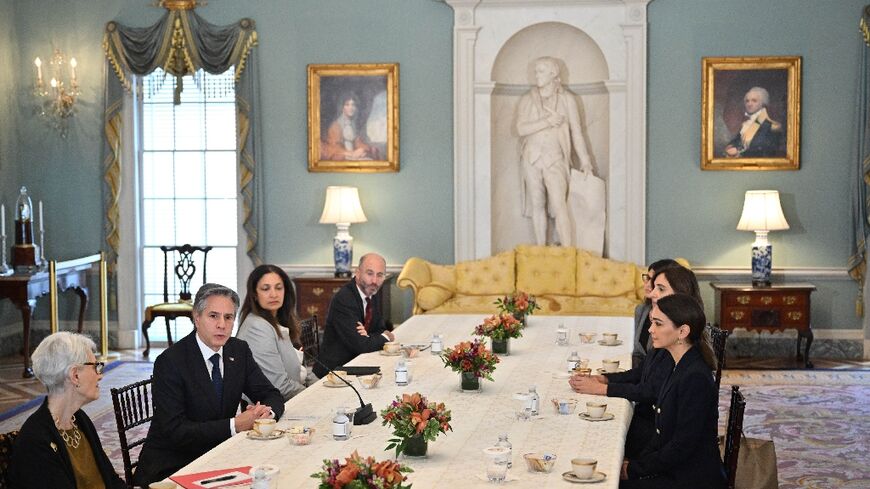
[[327, 383], [596, 477], [606, 417], [274, 435], [602, 343], [602, 371], [384, 353]]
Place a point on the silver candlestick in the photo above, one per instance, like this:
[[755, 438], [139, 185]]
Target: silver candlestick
[[5, 269], [42, 263]]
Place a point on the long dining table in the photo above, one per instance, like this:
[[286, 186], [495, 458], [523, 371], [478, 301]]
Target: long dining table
[[456, 459]]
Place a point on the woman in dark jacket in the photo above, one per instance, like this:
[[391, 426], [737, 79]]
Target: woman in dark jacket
[[58, 446], [683, 453]]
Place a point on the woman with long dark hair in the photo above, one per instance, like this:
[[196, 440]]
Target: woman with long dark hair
[[269, 325], [683, 452]]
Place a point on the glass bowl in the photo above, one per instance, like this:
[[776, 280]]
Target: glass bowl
[[540, 462], [369, 381], [300, 435]]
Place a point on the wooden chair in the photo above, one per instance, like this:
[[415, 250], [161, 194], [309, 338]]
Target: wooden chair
[[310, 336], [184, 270], [718, 337], [6, 441], [133, 409], [733, 432]]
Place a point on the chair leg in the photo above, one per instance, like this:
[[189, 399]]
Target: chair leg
[[145, 325], [168, 332]]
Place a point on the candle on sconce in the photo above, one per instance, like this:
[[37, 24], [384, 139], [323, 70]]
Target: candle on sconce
[[53, 83], [72, 65], [38, 63], [3, 220], [41, 228]]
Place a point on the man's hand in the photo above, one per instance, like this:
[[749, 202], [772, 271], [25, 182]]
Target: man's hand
[[731, 151], [623, 474], [245, 421], [389, 335], [361, 329]]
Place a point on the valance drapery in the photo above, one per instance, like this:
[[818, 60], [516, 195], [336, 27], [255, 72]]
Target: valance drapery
[[181, 43]]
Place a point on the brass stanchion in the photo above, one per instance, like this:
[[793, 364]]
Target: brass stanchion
[[52, 294], [104, 313]]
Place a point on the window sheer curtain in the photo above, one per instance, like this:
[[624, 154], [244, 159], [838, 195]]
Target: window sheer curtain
[[181, 43], [861, 179]]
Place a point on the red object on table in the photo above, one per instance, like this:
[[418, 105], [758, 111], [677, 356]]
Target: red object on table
[[189, 481]]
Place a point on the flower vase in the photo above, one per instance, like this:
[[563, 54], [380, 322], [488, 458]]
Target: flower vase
[[416, 446], [470, 382], [501, 347]]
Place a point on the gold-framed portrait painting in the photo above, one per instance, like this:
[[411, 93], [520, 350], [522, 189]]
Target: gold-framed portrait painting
[[751, 113], [353, 117]]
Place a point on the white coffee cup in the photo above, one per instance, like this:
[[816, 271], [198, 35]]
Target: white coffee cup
[[264, 426], [584, 468], [610, 338], [595, 409], [610, 366]]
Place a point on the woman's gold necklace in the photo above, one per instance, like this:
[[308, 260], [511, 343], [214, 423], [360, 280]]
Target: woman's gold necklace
[[71, 441]]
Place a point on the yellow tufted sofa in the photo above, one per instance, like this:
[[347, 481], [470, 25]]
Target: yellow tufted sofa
[[566, 281]]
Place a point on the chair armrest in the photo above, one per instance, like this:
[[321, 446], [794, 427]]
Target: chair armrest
[[414, 275]]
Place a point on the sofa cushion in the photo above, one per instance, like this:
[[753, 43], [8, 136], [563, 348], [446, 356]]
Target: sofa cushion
[[443, 275], [546, 269], [601, 277], [468, 304], [432, 296], [488, 276]]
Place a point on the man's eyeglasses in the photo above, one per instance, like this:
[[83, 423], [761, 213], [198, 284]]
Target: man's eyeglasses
[[98, 366], [645, 277]]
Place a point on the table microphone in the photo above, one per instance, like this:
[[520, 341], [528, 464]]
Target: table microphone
[[364, 414]]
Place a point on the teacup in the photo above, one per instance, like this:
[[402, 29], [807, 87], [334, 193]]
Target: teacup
[[587, 337], [595, 409], [565, 406], [584, 468], [334, 378], [264, 426], [610, 338], [392, 347], [610, 366]]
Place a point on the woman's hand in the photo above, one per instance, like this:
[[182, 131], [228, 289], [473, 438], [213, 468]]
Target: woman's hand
[[585, 384], [623, 474]]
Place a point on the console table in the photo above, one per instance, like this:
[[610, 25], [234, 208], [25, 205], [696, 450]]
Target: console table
[[774, 308], [24, 289], [314, 293]]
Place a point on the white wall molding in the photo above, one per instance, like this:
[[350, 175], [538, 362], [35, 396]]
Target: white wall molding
[[322, 269], [791, 273]]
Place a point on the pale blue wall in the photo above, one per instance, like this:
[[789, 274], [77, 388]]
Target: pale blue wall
[[8, 142], [690, 213]]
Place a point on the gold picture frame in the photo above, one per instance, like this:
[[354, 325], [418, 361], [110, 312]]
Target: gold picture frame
[[751, 113], [353, 117]]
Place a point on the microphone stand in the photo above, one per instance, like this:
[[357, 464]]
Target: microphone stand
[[364, 414]]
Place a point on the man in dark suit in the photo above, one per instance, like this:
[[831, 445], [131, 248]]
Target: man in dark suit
[[759, 135], [198, 383], [355, 322]]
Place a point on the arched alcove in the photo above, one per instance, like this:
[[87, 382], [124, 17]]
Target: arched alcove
[[583, 72]]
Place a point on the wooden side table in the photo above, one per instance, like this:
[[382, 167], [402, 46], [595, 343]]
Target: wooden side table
[[773, 308], [314, 293]]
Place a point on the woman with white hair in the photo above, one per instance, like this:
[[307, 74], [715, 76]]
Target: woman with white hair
[[58, 446]]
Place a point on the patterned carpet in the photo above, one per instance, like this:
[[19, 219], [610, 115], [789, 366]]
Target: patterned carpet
[[819, 422]]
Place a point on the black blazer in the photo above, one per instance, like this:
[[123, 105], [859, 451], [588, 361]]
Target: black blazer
[[39, 456], [188, 418], [341, 342], [642, 383], [683, 452]]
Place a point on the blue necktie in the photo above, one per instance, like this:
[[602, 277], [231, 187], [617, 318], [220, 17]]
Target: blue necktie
[[216, 378]]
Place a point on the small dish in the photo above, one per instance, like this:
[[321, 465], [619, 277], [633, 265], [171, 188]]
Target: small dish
[[369, 381], [564, 406], [603, 343], [388, 354], [327, 383], [274, 435], [602, 371], [300, 435], [540, 462], [596, 477], [606, 417]]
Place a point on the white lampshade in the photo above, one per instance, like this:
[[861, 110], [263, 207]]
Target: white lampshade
[[342, 206], [762, 212]]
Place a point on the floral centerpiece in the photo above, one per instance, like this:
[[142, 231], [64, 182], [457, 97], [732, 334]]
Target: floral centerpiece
[[520, 304], [472, 360], [415, 422], [500, 328], [362, 473]]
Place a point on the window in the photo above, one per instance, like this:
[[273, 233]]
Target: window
[[188, 182]]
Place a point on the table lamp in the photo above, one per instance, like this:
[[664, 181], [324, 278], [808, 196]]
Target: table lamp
[[762, 213], [342, 208]]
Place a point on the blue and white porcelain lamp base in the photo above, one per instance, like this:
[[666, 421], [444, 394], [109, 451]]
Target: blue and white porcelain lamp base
[[762, 260], [342, 251]]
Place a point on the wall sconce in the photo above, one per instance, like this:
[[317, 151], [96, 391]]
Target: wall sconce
[[762, 213], [56, 99], [342, 208]]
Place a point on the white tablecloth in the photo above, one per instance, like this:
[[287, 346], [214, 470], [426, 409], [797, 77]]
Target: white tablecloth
[[456, 458]]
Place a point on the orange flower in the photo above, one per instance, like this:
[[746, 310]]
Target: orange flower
[[347, 475]]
